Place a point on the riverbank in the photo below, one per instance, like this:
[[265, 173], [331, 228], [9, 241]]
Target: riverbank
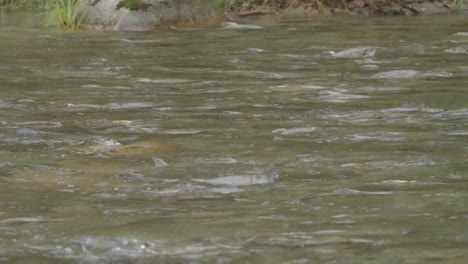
[[298, 7], [147, 15], [307, 8]]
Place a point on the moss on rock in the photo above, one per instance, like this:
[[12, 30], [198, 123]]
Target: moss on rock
[[133, 5]]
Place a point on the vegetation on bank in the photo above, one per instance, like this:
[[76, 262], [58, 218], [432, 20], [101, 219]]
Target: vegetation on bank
[[29, 4], [332, 6], [69, 13], [236, 5], [55, 12], [66, 13], [460, 4]]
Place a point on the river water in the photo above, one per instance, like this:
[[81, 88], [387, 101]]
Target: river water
[[235, 146]]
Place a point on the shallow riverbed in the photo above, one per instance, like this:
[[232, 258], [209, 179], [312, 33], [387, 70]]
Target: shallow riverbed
[[235, 146]]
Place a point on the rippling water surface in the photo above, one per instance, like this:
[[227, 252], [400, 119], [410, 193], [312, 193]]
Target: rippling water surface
[[235, 146]]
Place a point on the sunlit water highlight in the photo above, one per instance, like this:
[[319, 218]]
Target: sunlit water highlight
[[235, 146]]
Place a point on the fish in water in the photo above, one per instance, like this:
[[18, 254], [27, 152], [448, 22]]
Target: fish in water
[[355, 53], [232, 25], [22, 221]]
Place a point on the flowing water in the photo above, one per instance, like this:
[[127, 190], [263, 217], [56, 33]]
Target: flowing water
[[235, 146]]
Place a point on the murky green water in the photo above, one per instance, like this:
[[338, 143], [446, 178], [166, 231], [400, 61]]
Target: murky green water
[[235, 146]]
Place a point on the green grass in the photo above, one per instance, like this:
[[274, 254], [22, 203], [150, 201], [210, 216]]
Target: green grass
[[223, 3], [460, 4], [133, 5], [64, 13], [25, 4], [231, 5]]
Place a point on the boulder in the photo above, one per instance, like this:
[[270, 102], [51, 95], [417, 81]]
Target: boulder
[[145, 15], [430, 7]]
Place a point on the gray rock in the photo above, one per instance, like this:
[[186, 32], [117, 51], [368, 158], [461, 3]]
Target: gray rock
[[429, 7], [134, 21], [100, 12], [105, 14]]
